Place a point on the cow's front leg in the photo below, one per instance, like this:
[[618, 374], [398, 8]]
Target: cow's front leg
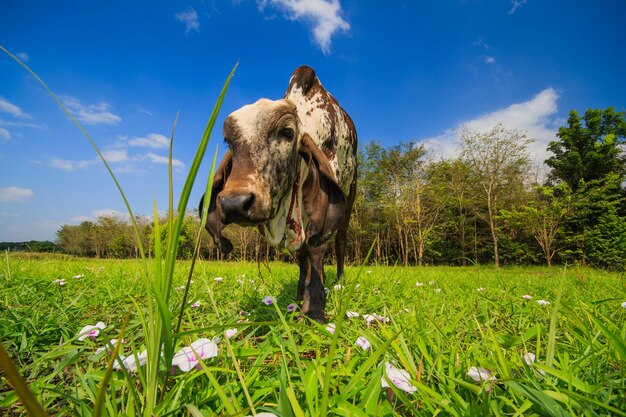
[[303, 261], [314, 295]]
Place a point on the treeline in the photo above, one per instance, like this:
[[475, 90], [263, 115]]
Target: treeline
[[30, 246], [486, 204]]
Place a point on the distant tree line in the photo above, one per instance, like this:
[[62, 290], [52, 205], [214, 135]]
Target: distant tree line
[[486, 204], [30, 246]]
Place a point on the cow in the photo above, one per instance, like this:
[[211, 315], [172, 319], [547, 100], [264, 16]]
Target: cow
[[291, 171]]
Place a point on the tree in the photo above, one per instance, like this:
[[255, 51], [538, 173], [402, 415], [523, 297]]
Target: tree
[[591, 151], [499, 160], [543, 217]]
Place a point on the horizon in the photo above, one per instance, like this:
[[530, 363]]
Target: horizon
[[411, 71]]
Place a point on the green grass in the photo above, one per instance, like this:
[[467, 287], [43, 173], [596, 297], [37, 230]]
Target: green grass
[[281, 363]]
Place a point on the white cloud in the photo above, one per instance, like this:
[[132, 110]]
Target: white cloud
[[153, 140], [115, 155], [490, 60], [189, 17], [23, 56], [535, 116], [516, 5], [15, 194], [12, 109], [108, 212], [158, 159], [5, 134], [92, 114], [325, 15], [69, 165]]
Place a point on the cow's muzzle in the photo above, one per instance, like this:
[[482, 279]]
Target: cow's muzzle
[[238, 208]]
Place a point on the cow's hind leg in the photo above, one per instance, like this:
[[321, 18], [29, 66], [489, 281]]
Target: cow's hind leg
[[314, 295]]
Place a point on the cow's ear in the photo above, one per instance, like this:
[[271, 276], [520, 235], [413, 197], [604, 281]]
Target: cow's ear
[[323, 201], [213, 223], [304, 78]]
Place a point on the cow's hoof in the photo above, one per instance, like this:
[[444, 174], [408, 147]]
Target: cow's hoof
[[318, 316]]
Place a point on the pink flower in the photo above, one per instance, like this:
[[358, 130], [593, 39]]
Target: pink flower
[[230, 333], [268, 300], [330, 328], [91, 331], [195, 304], [291, 307], [529, 358], [369, 318], [479, 374], [398, 377], [363, 343], [131, 362], [109, 346], [189, 357]]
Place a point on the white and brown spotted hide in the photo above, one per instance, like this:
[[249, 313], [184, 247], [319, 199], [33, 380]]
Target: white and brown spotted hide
[[290, 171]]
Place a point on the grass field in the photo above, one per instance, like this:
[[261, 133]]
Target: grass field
[[439, 333]]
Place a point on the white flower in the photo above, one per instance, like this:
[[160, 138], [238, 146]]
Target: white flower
[[188, 357], [230, 333], [437, 290], [109, 346], [419, 284], [369, 271], [131, 363], [351, 314], [369, 318], [218, 279], [624, 304], [195, 304], [398, 377], [357, 286], [529, 358], [543, 302], [239, 281], [79, 276], [481, 289], [59, 282], [527, 297], [330, 328], [91, 331], [363, 342], [338, 287], [479, 374]]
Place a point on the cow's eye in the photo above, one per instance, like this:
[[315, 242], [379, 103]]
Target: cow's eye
[[287, 132]]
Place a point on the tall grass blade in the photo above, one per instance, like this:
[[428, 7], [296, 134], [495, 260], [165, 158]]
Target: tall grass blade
[[191, 176], [100, 399], [95, 147]]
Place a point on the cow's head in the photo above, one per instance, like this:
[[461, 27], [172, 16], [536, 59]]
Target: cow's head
[[256, 177]]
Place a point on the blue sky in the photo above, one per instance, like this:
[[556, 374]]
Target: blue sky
[[404, 71]]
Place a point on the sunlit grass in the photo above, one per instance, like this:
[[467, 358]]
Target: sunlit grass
[[281, 360]]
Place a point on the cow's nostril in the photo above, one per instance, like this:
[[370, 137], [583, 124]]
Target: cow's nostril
[[247, 204], [235, 208]]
